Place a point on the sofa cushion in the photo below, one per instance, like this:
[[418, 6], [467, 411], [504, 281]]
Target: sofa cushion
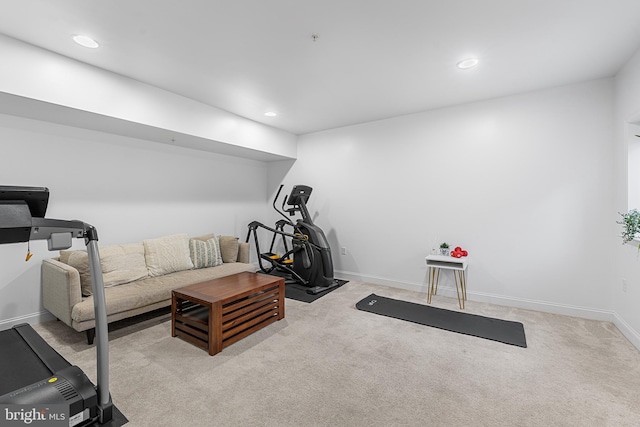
[[229, 248], [205, 253], [119, 269], [167, 254], [152, 290], [120, 264], [123, 264]]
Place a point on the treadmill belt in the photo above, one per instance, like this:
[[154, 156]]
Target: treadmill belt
[[19, 365]]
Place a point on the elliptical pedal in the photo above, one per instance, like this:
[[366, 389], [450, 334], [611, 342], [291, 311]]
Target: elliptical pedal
[[319, 289], [269, 256], [278, 259]]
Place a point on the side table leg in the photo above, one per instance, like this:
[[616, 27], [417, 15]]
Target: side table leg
[[430, 273], [460, 283], [463, 276]]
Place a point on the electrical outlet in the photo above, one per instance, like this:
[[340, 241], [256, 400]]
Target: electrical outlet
[[343, 250], [624, 285]]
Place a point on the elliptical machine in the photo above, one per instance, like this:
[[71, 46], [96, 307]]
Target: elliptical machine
[[307, 254]]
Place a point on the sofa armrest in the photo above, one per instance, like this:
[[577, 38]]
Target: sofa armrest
[[243, 252], [60, 288]]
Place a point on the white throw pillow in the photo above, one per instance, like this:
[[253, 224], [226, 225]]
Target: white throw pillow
[[167, 254]]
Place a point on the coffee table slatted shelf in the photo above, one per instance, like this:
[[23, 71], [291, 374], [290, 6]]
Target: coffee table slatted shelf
[[244, 317]]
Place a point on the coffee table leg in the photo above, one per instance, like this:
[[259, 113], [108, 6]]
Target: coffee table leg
[[215, 328], [173, 314]]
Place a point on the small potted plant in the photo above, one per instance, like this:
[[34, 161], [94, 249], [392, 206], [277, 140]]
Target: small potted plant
[[444, 249], [630, 225]]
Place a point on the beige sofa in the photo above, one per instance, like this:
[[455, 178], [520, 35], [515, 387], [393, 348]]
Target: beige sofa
[[138, 277]]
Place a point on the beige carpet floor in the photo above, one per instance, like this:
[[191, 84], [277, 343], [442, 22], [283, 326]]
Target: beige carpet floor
[[329, 364]]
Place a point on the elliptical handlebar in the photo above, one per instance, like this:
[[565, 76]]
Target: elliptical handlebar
[[254, 225], [289, 211]]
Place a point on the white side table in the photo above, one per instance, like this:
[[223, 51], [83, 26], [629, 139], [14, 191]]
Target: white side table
[[459, 266]]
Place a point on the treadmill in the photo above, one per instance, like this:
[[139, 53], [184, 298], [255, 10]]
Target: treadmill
[[34, 376]]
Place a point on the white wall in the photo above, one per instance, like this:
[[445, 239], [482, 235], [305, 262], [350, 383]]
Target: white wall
[[128, 189], [55, 87], [627, 303], [523, 183]]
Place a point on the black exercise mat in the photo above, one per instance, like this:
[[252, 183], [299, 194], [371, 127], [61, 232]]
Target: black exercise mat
[[489, 328], [299, 292]]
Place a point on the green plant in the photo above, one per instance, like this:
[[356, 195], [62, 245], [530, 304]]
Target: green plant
[[444, 245], [630, 225]]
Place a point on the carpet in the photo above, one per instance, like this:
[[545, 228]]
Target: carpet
[[299, 292], [328, 364], [503, 331]]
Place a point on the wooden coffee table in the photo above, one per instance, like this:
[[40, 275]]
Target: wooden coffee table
[[216, 313]]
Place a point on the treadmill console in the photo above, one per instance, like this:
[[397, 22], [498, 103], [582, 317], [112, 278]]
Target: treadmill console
[[37, 198], [18, 205], [22, 211]]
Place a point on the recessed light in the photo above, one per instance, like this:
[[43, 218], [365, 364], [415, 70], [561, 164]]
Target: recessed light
[[86, 41], [467, 63], [270, 114]]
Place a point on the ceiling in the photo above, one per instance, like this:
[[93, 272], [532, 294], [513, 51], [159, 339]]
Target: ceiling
[[372, 59]]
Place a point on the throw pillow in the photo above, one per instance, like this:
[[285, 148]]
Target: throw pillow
[[229, 248], [80, 261], [64, 256], [205, 237], [167, 254], [209, 237], [205, 253]]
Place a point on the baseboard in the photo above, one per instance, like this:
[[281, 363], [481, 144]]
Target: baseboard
[[631, 334], [524, 303], [347, 275], [32, 319]]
